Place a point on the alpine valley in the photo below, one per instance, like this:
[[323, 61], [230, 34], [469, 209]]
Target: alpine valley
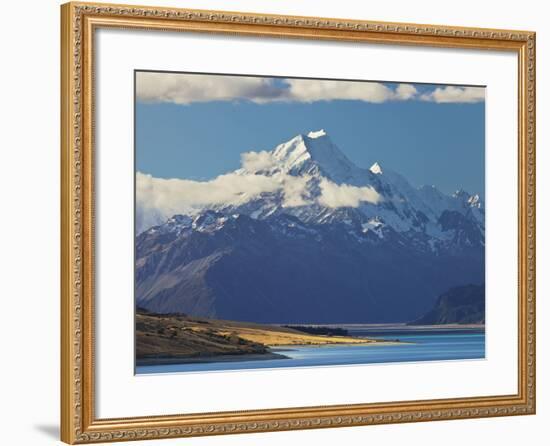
[[354, 245]]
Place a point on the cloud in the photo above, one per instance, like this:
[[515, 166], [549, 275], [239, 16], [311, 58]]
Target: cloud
[[322, 90], [452, 94], [343, 195], [181, 88], [295, 191], [179, 195], [405, 92], [158, 199], [257, 161]]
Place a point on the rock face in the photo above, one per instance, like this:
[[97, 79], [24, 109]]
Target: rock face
[[459, 305], [363, 246]]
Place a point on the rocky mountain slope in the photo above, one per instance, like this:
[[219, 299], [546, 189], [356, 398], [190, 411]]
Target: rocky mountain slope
[[346, 244]]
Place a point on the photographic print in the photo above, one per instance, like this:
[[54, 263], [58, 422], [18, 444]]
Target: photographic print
[[298, 222]]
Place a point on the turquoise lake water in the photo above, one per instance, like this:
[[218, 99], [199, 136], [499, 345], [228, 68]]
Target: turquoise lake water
[[418, 345]]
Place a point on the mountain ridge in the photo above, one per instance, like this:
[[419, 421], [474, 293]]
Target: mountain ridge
[[400, 206], [459, 305], [358, 245]]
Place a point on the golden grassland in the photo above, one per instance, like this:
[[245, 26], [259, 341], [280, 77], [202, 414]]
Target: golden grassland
[[180, 336], [273, 338]]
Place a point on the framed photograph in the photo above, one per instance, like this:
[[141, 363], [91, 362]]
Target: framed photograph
[[276, 223]]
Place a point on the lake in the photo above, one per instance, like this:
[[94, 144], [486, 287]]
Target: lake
[[418, 344]]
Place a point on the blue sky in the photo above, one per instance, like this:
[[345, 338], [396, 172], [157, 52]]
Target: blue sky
[[194, 127]]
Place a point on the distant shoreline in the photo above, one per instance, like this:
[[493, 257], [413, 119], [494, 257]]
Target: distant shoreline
[[397, 326], [209, 359], [368, 341]]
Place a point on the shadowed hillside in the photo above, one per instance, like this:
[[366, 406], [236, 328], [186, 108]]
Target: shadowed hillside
[[459, 305]]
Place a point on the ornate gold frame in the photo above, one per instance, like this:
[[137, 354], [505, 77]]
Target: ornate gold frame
[[79, 21]]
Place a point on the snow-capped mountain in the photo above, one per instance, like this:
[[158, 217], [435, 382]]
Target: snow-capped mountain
[[329, 188], [334, 243]]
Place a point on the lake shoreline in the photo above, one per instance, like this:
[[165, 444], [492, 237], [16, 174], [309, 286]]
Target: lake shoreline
[[209, 359], [413, 347], [169, 338], [273, 353], [396, 325], [368, 342], [180, 340]]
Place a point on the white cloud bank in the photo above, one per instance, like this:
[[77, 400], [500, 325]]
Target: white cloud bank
[[182, 88], [452, 94], [343, 195], [188, 88], [158, 199], [303, 90], [257, 161]]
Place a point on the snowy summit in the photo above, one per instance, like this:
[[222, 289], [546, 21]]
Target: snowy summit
[[310, 178], [317, 134], [301, 233], [376, 169]]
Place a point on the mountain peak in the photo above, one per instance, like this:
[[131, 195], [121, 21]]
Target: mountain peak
[[475, 201], [292, 153], [376, 168], [461, 193], [317, 134], [305, 153]]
